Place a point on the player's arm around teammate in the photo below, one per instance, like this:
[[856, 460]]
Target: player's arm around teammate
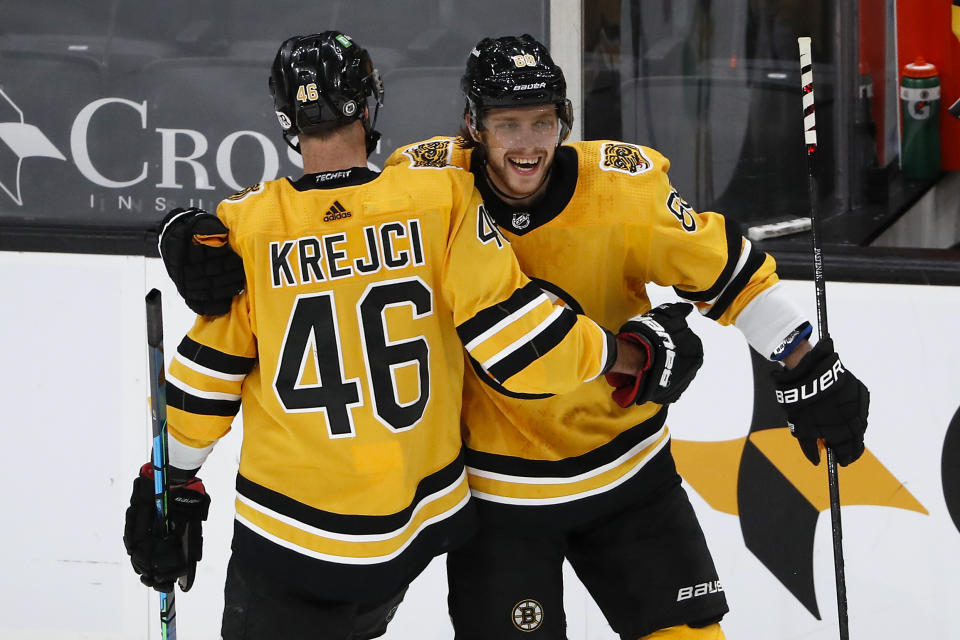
[[344, 351], [513, 120]]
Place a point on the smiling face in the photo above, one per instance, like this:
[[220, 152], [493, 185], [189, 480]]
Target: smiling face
[[520, 144]]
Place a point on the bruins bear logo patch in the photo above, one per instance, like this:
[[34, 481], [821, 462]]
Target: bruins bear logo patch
[[626, 158], [435, 153]]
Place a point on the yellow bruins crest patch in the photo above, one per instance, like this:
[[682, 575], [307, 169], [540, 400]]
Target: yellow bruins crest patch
[[433, 154], [625, 158]]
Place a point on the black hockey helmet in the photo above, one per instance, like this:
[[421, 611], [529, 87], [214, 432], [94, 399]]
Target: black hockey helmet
[[323, 80], [514, 71]]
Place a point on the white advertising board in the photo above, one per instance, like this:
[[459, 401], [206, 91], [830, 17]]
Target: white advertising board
[[73, 387]]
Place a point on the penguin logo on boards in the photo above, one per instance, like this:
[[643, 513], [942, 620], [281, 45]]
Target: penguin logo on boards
[[23, 141]]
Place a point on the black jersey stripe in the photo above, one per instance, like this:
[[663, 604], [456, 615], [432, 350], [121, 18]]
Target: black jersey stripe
[[734, 239], [180, 399], [657, 475], [552, 335], [568, 467], [564, 296], [326, 580], [499, 388], [483, 320], [754, 262], [212, 359], [351, 524]]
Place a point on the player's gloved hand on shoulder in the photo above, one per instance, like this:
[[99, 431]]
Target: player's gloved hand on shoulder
[[674, 355], [824, 400], [162, 560], [195, 252]]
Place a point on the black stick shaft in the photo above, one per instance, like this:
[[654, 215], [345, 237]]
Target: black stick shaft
[[820, 285], [810, 139], [158, 415]]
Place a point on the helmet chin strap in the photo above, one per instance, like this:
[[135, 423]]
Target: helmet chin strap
[[507, 196], [287, 137]]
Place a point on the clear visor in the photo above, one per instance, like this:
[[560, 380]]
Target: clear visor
[[522, 127]]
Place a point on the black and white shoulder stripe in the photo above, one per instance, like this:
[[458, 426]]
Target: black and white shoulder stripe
[[743, 260], [210, 363], [508, 359]]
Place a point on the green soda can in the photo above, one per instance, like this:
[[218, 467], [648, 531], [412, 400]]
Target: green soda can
[[920, 107]]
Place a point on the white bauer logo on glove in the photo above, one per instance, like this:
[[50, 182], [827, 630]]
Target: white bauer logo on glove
[[817, 385], [671, 353]]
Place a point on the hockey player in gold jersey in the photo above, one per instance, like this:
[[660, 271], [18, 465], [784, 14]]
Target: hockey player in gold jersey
[[345, 353], [574, 476]]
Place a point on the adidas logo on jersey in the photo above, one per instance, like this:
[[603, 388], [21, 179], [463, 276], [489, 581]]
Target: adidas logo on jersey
[[336, 212]]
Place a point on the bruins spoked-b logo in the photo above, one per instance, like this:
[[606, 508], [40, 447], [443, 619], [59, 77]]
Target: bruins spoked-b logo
[[527, 615], [433, 154], [623, 157]]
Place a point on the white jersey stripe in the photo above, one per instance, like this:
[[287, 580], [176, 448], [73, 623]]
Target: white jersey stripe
[[744, 256], [510, 319], [637, 448], [213, 373], [349, 537], [539, 502], [350, 559], [530, 335], [207, 395], [603, 359]]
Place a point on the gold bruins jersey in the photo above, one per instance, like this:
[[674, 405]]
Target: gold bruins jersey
[[609, 223], [346, 355]]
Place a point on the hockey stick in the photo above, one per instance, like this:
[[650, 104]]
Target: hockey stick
[[158, 415], [810, 138]]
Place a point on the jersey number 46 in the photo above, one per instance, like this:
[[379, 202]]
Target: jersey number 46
[[313, 335]]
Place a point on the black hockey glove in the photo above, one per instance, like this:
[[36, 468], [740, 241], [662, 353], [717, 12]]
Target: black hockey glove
[[159, 560], [207, 272], [824, 400], [674, 354]]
